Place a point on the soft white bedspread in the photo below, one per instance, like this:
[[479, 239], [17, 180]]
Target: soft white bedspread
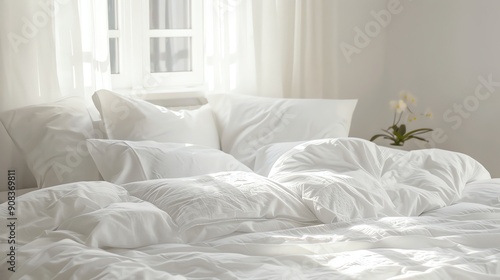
[[330, 209], [345, 179]]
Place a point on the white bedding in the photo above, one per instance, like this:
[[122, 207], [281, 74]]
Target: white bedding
[[333, 208]]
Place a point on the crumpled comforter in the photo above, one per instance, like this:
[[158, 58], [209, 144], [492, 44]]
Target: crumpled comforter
[[346, 179], [331, 208]]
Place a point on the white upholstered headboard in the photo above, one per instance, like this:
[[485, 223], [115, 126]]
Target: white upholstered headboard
[[12, 159]]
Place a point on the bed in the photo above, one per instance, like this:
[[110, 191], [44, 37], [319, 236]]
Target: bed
[[239, 188]]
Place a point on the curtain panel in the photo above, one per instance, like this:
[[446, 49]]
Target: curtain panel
[[275, 48], [50, 49]]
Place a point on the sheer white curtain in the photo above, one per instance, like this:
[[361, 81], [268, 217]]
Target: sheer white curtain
[[229, 47], [50, 49], [276, 48]]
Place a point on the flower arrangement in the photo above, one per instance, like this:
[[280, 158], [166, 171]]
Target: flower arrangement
[[397, 132]]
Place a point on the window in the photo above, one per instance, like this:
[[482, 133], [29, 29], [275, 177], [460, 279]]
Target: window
[[155, 44]]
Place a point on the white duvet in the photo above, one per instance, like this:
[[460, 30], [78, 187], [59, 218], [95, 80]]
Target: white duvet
[[345, 179], [333, 208]]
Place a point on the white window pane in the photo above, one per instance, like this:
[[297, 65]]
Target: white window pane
[[112, 15], [170, 14], [172, 54], [114, 55]]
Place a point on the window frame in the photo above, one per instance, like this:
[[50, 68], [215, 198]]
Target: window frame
[[134, 49]]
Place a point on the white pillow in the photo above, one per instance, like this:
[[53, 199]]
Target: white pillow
[[128, 161], [127, 118], [52, 138], [247, 123]]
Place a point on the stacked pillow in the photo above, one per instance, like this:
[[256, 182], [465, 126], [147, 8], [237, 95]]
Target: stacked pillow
[[146, 141], [247, 123], [126, 118], [52, 138], [129, 161]]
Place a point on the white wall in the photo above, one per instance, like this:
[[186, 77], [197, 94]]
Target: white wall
[[437, 50]]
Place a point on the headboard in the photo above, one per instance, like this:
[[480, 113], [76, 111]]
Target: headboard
[[12, 159]]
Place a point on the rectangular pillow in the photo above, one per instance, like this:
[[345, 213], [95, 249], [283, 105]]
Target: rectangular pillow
[[52, 137], [247, 123], [129, 161], [127, 118]]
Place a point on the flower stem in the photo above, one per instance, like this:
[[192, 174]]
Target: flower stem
[[399, 119]]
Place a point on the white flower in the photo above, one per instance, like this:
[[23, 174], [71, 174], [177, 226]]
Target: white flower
[[398, 105], [408, 97], [412, 118], [428, 114]]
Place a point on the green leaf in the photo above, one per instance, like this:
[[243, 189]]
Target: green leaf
[[418, 138], [398, 134], [380, 135], [388, 132], [419, 131], [402, 129]]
